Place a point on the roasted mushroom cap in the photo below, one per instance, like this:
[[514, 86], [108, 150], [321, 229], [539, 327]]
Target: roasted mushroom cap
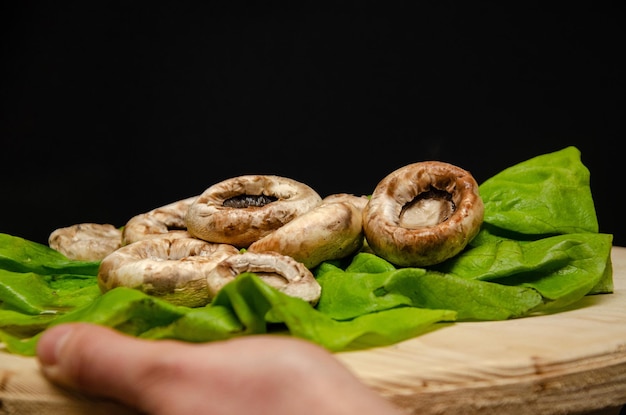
[[242, 209], [278, 271], [168, 219], [173, 269], [86, 241], [423, 214], [331, 230]]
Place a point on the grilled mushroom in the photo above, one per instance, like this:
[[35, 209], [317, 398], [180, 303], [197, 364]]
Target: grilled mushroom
[[332, 230], [278, 271], [423, 213], [86, 241], [171, 268], [242, 209]]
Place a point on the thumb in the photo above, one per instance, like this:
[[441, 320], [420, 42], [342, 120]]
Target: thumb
[[86, 357]]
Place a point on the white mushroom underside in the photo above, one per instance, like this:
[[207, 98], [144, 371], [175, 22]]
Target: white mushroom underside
[[174, 269], [278, 271], [210, 219], [424, 213]]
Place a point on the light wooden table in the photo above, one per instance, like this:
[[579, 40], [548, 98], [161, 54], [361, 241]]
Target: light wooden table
[[572, 362]]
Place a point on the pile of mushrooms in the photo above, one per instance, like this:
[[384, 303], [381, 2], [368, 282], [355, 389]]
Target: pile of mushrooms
[[279, 229]]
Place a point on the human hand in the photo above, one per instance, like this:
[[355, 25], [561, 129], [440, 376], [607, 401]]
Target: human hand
[[260, 374]]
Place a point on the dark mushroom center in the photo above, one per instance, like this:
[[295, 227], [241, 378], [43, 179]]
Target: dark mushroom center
[[429, 208], [244, 201]]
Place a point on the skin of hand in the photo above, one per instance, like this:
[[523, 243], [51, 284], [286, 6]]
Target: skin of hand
[[260, 374]]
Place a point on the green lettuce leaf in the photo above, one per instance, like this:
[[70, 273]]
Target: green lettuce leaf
[[32, 293], [545, 195], [351, 294], [561, 268], [20, 255], [244, 307]]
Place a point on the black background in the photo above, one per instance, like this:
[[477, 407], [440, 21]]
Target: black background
[[110, 109]]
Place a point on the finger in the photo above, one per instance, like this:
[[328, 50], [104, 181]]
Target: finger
[[87, 357]]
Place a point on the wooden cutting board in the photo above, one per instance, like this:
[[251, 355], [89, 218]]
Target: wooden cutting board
[[566, 363]]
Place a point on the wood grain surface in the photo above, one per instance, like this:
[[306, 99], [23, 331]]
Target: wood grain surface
[[572, 362]]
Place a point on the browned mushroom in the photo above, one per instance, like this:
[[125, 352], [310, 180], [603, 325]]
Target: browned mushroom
[[171, 268], [423, 214], [242, 209], [86, 241], [168, 219], [331, 230], [278, 271]]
